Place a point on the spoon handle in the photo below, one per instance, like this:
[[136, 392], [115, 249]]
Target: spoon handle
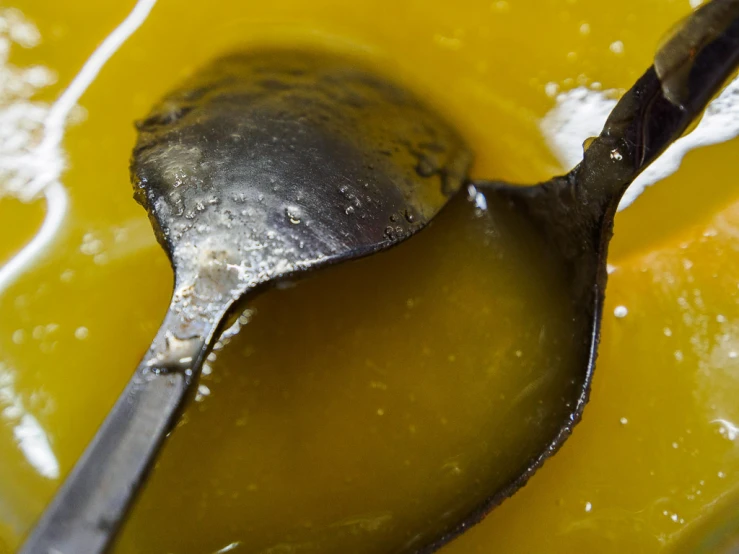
[[87, 511], [688, 71]]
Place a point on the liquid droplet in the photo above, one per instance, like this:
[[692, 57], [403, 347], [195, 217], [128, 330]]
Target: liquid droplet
[[617, 47], [621, 312], [587, 143], [293, 214]]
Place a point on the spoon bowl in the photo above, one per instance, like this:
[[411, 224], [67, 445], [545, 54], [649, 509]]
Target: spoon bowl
[[574, 213], [279, 161]]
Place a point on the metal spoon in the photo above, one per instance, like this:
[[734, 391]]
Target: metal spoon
[[574, 213], [261, 167], [270, 164]]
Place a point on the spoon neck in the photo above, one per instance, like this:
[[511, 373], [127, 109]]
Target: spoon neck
[[661, 106], [87, 512], [641, 127], [185, 337]]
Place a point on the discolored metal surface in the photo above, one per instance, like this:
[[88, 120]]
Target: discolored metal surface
[[277, 161]]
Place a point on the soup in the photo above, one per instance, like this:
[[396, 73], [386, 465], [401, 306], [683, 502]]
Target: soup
[[351, 411]]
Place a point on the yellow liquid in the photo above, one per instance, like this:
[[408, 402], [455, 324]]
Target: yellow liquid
[[358, 403]]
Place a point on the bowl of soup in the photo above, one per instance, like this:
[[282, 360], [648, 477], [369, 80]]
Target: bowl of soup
[[357, 403]]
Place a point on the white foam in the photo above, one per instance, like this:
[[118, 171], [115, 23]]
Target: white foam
[[27, 431], [581, 113], [35, 445], [727, 428], [31, 164], [57, 202], [49, 149], [31, 134], [21, 120]]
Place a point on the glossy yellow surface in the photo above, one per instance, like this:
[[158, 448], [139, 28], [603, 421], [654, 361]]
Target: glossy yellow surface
[[358, 362]]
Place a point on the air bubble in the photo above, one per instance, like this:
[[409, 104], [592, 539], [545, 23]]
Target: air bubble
[[293, 214], [617, 47]]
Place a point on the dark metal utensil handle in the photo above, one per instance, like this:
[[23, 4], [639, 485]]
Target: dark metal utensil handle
[[86, 513], [648, 118]]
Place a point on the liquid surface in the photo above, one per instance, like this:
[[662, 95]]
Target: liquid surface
[[400, 446], [294, 411]]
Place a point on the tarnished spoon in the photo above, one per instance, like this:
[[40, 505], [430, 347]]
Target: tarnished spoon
[[574, 213], [261, 167], [269, 164]]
